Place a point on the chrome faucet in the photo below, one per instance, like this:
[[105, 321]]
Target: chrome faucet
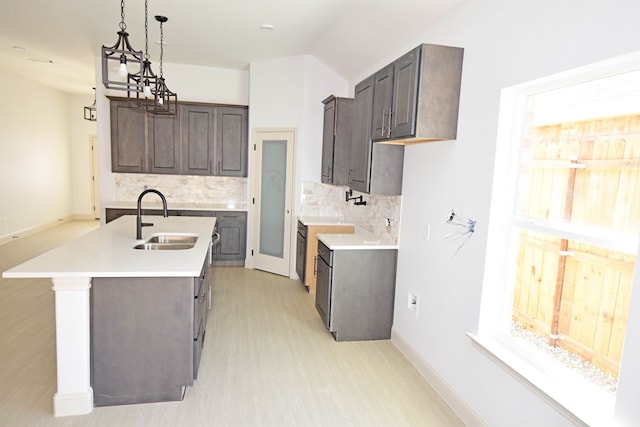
[[139, 223]]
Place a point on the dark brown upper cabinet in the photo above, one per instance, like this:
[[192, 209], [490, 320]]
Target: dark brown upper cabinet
[[416, 97], [336, 140], [202, 139]]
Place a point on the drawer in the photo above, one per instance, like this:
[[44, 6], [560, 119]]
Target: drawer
[[302, 229], [199, 313], [198, 344], [325, 253]]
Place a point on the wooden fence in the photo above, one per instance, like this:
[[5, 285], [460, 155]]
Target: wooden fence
[[586, 174]]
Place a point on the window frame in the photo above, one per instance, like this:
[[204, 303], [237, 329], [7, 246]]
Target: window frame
[[580, 401]]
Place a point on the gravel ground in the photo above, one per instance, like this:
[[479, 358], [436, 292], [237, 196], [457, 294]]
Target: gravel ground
[[587, 370]]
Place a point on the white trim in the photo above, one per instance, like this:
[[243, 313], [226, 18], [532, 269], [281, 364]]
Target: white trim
[[74, 395], [496, 302], [444, 390], [581, 402], [66, 404], [32, 230]]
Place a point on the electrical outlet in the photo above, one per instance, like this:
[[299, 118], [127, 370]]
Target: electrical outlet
[[412, 302]]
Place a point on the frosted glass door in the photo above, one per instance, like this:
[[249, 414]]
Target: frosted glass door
[[272, 197]]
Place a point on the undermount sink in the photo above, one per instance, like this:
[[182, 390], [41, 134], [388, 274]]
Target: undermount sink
[[172, 238], [163, 246], [168, 241]]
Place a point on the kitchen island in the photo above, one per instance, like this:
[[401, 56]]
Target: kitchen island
[[107, 252]]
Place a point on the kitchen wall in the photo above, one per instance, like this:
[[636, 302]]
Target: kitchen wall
[[288, 93], [192, 83], [230, 191], [505, 43], [80, 135], [329, 200], [36, 166]]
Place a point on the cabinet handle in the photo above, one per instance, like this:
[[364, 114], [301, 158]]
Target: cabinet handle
[[389, 127], [218, 167], [382, 124]]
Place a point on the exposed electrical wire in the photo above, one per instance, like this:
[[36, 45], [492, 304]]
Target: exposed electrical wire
[[467, 227]]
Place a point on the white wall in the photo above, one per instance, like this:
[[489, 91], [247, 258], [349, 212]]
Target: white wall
[[80, 132], [35, 163], [288, 92], [505, 43]]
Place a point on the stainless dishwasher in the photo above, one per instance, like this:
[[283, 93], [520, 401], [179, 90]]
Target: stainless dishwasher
[[323, 283]]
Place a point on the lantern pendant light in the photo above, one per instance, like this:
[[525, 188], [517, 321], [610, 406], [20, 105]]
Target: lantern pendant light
[[90, 110], [146, 78], [124, 58], [165, 101]]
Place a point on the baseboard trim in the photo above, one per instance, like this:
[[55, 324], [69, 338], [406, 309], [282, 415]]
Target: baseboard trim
[[84, 217], [444, 390], [32, 230], [66, 404]]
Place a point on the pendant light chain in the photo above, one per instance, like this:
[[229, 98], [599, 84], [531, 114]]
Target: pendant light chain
[[146, 32], [161, 46], [123, 25]]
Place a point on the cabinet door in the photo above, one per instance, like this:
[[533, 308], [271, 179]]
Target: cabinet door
[[231, 141], [232, 227], [405, 94], [361, 141], [164, 144], [127, 137], [382, 102], [301, 256], [198, 134], [323, 292], [328, 138]]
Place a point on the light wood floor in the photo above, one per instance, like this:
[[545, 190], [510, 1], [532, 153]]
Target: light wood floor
[[267, 360]]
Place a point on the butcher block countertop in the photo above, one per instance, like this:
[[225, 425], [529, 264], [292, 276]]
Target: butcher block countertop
[[108, 252]]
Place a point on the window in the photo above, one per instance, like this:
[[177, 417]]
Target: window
[[565, 220]]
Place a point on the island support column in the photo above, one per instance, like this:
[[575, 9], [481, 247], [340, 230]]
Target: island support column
[[74, 395]]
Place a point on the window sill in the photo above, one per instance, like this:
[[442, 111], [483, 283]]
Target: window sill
[[576, 398]]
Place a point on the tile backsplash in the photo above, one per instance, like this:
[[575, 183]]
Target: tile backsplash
[[329, 200], [184, 188], [316, 199]]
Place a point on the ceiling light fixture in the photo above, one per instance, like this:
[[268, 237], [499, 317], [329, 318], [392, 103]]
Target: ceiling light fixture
[[90, 110], [122, 56], [146, 77], [165, 101]]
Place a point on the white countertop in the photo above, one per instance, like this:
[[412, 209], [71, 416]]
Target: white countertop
[[176, 206], [321, 220], [357, 241], [108, 252]]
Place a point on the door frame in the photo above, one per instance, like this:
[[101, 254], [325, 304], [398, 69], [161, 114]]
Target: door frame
[[253, 237], [94, 172]]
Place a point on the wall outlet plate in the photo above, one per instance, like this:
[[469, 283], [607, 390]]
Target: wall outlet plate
[[412, 302]]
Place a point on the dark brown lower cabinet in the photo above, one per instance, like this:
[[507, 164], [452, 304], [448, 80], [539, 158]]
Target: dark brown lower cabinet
[[147, 335]]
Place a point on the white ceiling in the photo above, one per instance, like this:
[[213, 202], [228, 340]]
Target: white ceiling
[[347, 35]]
